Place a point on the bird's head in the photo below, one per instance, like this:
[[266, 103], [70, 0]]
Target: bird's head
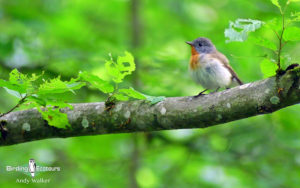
[[202, 45]]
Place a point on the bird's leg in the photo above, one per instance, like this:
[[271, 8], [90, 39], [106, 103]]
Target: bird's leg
[[215, 90], [201, 93]]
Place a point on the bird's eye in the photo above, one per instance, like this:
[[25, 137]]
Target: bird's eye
[[200, 44]]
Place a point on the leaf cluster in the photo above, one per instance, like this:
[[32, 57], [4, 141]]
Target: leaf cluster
[[284, 29], [34, 91]]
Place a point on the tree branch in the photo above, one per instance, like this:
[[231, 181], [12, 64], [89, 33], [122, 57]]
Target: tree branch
[[260, 97]]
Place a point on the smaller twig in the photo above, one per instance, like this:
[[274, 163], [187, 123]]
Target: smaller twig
[[276, 33], [280, 46], [284, 44], [16, 106], [281, 41]]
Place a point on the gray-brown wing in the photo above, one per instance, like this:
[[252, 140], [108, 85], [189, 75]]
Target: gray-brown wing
[[222, 57], [225, 62], [234, 75]]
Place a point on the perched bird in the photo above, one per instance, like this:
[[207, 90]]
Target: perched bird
[[209, 67]]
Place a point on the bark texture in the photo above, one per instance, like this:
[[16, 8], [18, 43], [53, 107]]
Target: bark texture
[[260, 97]]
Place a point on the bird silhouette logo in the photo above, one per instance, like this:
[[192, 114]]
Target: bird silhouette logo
[[32, 167]]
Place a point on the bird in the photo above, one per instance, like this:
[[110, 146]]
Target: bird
[[209, 67]]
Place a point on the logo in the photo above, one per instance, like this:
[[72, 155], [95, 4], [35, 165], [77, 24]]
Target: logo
[[32, 167], [33, 170]]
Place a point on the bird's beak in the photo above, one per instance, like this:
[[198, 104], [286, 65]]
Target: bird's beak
[[189, 43]]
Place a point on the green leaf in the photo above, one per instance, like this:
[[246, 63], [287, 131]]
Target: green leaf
[[58, 86], [132, 93], [15, 77], [276, 3], [238, 30], [121, 97], [125, 93], [295, 17], [52, 112], [97, 82], [19, 83], [54, 117], [153, 100], [113, 71], [126, 63], [292, 34], [118, 70], [10, 86], [274, 24], [268, 68], [264, 43], [37, 100], [14, 93]]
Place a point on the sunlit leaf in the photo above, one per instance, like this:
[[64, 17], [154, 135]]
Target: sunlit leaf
[[268, 68], [18, 82], [274, 24], [118, 70], [238, 30], [14, 93], [276, 3], [121, 97], [11, 86], [37, 100], [126, 63], [295, 17], [132, 93], [154, 100], [56, 85], [97, 82], [138, 95], [292, 34], [54, 117], [113, 71], [15, 77]]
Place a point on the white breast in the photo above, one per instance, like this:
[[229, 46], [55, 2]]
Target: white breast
[[211, 74]]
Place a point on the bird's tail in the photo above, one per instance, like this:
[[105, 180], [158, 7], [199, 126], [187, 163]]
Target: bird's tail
[[234, 75], [235, 78]]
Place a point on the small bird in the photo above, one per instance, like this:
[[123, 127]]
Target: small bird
[[209, 67]]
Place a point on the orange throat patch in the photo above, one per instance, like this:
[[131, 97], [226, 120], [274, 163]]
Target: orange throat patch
[[194, 59]]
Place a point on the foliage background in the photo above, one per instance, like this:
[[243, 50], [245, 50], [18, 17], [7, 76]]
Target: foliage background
[[63, 37]]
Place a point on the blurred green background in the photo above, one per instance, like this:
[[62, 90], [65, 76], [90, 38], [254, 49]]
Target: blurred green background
[[63, 37]]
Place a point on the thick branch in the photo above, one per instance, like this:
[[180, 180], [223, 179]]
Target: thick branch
[[244, 101]]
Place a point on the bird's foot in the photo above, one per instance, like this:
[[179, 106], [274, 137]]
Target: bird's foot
[[199, 95], [215, 90]]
